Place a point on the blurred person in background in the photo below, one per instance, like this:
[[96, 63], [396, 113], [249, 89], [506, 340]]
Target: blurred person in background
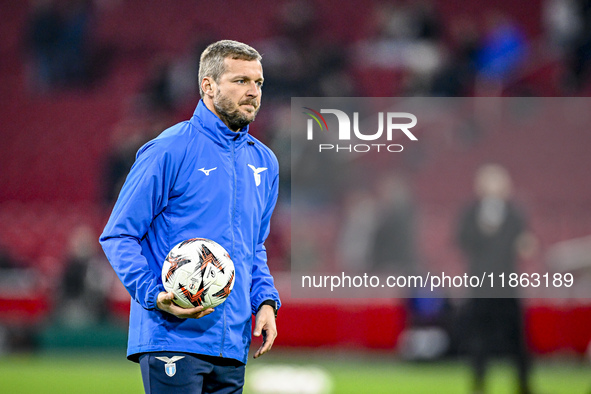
[[456, 76], [357, 230], [42, 37], [394, 243], [407, 40], [501, 54], [126, 138], [562, 22], [206, 177], [579, 56], [58, 43], [492, 233], [85, 282], [300, 64], [20, 279], [172, 80]]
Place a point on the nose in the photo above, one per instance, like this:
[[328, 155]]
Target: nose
[[254, 89]]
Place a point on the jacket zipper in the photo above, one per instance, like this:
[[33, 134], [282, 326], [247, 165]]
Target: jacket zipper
[[232, 231]]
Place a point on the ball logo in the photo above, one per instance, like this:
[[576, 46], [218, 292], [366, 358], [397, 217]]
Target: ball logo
[[391, 122]]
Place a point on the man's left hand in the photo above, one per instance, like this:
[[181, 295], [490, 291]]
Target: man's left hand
[[265, 325]]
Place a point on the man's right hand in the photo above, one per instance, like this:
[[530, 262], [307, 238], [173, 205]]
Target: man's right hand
[[165, 303]]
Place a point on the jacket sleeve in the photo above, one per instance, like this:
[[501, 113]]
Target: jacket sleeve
[[263, 287], [143, 196]]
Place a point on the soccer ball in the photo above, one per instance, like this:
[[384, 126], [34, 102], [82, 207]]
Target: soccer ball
[[199, 272]]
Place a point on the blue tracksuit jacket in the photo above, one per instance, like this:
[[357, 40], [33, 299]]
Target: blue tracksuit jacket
[[196, 179]]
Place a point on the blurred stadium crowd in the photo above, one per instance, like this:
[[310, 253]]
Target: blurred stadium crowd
[[86, 82]]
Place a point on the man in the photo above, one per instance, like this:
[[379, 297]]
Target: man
[[492, 234], [205, 177]]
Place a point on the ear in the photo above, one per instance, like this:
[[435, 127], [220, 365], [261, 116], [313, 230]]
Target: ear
[[208, 85]]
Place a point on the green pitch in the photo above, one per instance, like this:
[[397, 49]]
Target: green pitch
[[63, 373], [361, 373], [383, 374]]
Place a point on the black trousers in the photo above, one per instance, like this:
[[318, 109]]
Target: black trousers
[[495, 327]]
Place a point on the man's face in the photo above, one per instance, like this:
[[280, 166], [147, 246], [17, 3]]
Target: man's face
[[237, 95]]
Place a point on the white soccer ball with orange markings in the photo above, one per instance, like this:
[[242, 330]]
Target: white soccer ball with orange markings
[[199, 272]]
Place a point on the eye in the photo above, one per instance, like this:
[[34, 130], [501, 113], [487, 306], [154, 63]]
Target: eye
[[240, 81], [260, 84]]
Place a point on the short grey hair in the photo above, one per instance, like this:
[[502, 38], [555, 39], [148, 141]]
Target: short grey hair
[[212, 64]]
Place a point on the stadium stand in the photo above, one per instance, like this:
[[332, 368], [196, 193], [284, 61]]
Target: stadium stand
[[54, 145]]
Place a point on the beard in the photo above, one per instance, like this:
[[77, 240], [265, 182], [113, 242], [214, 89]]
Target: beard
[[230, 113]]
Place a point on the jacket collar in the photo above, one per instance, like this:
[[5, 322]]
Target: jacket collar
[[215, 129]]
